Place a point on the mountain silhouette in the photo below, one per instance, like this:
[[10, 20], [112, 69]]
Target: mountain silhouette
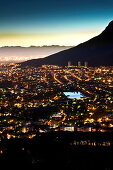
[[97, 51]]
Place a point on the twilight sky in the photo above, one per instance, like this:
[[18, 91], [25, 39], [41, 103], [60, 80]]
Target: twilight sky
[[52, 22]]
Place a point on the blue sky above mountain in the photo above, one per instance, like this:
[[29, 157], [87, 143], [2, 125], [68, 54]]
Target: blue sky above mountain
[[48, 22]]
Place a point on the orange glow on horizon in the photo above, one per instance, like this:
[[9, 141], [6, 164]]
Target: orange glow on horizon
[[66, 38]]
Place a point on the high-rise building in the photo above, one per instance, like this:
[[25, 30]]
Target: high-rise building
[[69, 63], [79, 63], [85, 64]]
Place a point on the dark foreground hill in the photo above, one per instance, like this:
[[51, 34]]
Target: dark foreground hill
[[57, 150], [97, 51]]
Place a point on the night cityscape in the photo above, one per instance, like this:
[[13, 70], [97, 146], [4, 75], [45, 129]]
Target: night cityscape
[[35, 102], [56, 84]]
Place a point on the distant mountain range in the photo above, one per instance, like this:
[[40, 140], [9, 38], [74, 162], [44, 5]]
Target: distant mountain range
[[96, 51], [20, 54]]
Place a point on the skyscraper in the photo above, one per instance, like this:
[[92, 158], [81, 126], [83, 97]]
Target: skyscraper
[[85, 64], [79, 63], [69, 63]]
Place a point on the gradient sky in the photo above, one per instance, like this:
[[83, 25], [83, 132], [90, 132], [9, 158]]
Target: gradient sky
[[52, 22]]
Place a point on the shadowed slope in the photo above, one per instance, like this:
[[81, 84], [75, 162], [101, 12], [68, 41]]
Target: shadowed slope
[[97, 51]]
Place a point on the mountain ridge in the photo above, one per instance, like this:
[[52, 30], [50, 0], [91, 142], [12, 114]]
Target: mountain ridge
[[96, 51], [35, 46]]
